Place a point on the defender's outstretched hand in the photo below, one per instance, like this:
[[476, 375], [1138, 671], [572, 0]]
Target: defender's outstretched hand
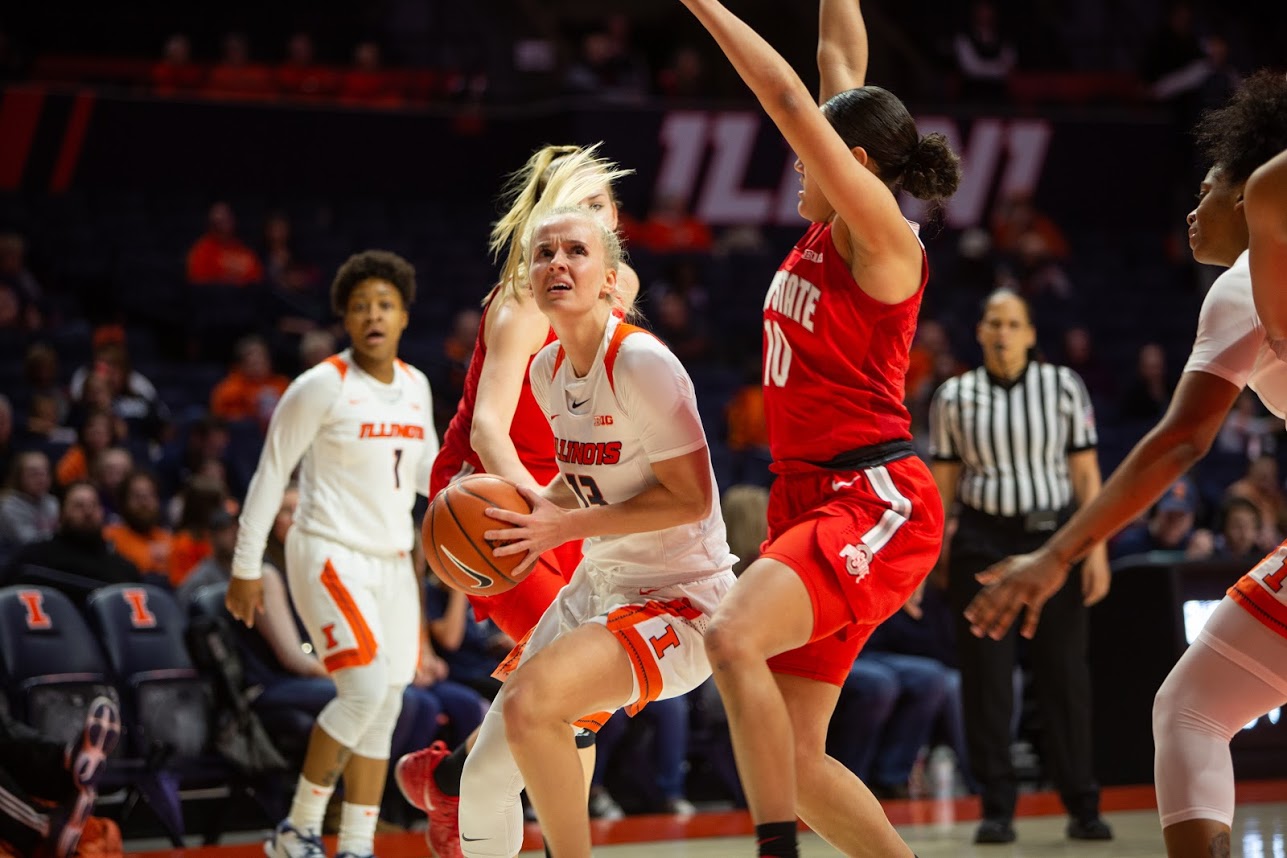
[[1025, 581]]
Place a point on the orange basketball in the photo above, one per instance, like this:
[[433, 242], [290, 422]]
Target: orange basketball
[[453, 535]]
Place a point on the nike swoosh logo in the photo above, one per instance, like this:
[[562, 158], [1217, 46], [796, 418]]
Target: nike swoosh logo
[[576, 404], [837, 485], [483, 580], [649, 591], [473, 839]]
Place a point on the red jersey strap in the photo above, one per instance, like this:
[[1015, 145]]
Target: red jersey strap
[[610, 357], [558, 362], [341, 366]]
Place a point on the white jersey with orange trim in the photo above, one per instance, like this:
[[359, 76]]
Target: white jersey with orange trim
[[364, 449], [1231, 342], [634, 407]]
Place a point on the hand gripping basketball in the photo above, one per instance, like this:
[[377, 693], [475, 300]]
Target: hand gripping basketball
[[454, 535]]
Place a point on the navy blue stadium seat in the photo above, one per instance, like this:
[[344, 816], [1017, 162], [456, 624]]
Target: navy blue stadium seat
[[141, 629], [50, 664], [169, 708]]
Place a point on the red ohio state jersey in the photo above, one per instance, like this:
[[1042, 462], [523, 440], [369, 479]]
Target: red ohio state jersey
[[529, 430], [835, 359]]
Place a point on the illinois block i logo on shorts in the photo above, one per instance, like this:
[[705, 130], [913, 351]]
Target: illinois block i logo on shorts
[[857, 556]]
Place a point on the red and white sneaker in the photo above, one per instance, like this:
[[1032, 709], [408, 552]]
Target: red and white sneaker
[[414, 775]]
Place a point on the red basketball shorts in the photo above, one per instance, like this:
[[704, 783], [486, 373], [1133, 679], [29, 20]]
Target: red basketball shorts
[[862, 542], [516, 611]]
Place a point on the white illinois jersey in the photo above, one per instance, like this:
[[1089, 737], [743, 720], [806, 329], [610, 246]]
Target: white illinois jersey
[[366, 450], [634, 407], [1231, 341]]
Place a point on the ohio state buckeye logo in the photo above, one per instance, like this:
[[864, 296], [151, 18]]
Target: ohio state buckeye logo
[[857, 559]]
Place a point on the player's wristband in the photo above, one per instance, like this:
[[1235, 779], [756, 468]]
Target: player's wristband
[[248, 574]]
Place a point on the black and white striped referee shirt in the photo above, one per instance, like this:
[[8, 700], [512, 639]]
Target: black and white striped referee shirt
[[1013, 438]]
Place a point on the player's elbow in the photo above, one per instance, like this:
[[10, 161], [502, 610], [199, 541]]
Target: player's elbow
[[482, 434], [697, 503]]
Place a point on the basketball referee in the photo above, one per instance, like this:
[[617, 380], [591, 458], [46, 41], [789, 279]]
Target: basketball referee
[[1013, 449]]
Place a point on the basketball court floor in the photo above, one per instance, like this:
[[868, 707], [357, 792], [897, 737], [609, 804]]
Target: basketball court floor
[[934, 829]]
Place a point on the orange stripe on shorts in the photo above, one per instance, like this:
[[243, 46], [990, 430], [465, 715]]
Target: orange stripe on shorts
[[364, 652]]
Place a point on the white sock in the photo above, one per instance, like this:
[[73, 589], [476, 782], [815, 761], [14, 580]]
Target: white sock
[[309, 806], [357, 828]]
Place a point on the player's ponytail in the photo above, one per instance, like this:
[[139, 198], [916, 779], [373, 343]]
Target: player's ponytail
[[875, 119], [565, 179], [523, 188]]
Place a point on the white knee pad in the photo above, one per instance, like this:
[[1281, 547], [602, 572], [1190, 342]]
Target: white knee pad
[[1187, 741], [360, 694], [374, 743], [491, 817]]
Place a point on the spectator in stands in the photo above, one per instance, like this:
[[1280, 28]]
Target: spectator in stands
[[984, 57], [315, 347], [747, 431], [604, 70], [28, 511], [457, 352], [291, 276], [1175, 46], [1149, 392], [129, 394], [7, 445], [746, 520], [1080, 357], [216, 567], [1208, 80], [301, 77], [12, 317], [366, 82], [1263, 488], [1169, 527], [680, 328], [202, 497], [219, 257], [76, 548], [41, 428], [251, 389], [15, 274], [1248, 431], [885, 715], [40, 370], [1016, 217], [175, 73], [204, 440], [665, 736], [108, 473], [235, 76], [92, 439], [685, 76], [1035, 273], [669, 228], [926, 627], [140, 536], [1239, 538]]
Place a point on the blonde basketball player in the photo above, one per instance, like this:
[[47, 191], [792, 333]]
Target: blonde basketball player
[[499, 429], [360, 425], [635, 482]]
